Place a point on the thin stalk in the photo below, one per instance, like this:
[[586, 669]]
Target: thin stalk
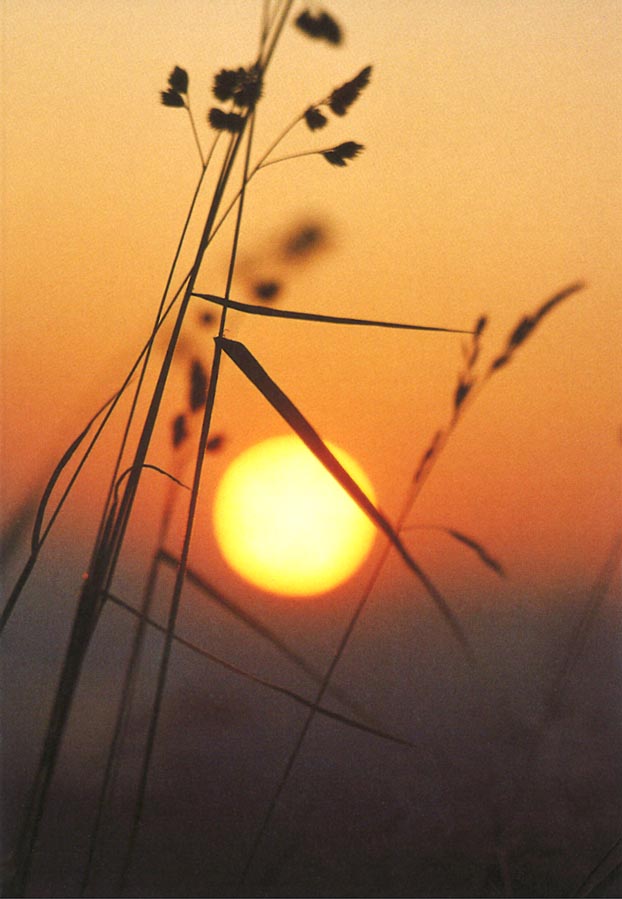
[[260, 681], [603, 870], [183, 563], [74, 657], [264, 165], [175, 600], [266, 24], [129, 688], [111, 551], [102, 572], [415, 487], [580, 633], [270, 45], [156, 325], [160, 316], [195, 134], [600, 588], [249, 620]]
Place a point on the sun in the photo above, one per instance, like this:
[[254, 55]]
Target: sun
[[284, 524]]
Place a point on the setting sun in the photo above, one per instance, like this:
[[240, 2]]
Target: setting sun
[[285, 525]]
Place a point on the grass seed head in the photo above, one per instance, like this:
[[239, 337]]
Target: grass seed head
[[320, 27], [340, 154], [178, 80], [343, 97]]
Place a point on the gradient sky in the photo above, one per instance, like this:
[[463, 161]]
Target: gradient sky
[[490, 179]]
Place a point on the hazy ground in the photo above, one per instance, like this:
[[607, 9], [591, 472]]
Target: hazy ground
[[480, 789]]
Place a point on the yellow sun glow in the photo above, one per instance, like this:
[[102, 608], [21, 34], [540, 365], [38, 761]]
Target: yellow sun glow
[[284, 524]]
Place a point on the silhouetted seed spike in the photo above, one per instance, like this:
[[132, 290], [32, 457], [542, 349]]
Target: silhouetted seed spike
[[558, 298], [266, 290], [171, 98], [225, 121], [500, 361], [527, 324], [477, 548], [198, 386], [178, 80], [462, 391], [214, 443], [482, 321], [314, 118], [427, 456], [340, 154], [522, 330], [179, 430], [321, 27], [474, 354], [343, 97]]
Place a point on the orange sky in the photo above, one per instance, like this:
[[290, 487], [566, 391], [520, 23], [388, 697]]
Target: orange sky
[[491, 178]]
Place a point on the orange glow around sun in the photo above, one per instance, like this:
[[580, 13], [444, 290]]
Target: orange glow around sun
[[285, 525]]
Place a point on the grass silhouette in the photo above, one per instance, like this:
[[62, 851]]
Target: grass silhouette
[[230, 162]]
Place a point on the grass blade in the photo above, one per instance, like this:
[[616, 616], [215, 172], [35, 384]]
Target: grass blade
[[64, 461], [470, 542], [216, 595], [581, 630], [316, 317], [17, 525], [247, 363], [478, 549], [606, 867], [270, 685]]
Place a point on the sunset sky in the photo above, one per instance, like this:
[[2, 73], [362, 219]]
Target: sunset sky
[[490, 179]]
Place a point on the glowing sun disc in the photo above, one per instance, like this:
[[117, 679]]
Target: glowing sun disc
[[284, 524]]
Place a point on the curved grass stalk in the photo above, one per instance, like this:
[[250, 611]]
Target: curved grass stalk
[[159, 318], [161, 314], [32, 560]]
